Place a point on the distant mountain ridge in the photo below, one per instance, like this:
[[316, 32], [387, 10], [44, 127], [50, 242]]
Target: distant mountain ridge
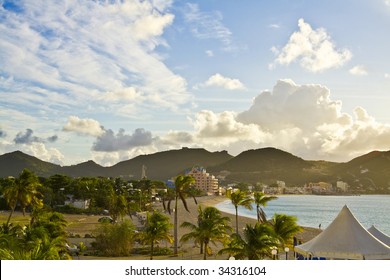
[[368, 173], [159, 166]]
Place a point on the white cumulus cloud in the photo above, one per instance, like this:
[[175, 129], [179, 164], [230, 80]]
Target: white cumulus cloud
[[217, 80], [302, 119], [83, 126], [312, 48], [358, 70]]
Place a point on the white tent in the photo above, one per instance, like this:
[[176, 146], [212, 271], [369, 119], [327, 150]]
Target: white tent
[[345, 238], [380, 235]]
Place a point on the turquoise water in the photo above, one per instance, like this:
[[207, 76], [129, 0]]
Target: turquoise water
[[312, 210]]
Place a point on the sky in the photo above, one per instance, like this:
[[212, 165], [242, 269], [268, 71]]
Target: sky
[[111, 80]]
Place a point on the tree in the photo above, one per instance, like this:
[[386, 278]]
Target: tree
[[240, 198], [255, 244], [182, 184], [211, 227], [285, 227], [260, 200], [156, 229], [118, 206], [23, 190]]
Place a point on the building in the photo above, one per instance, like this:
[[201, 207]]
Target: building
[[78, 203], [203, 180]]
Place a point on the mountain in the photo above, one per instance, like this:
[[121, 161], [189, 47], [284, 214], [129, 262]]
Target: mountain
[[85, 169], [168, 164], [159, 166], [268, 165], [367, 173], [370, 171], [12, 164]]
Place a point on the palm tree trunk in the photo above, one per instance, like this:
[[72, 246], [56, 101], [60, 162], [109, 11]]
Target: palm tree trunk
[[151, 250], [10, 214], [236, 218], [175, 237], [205, 251], [201, 247]]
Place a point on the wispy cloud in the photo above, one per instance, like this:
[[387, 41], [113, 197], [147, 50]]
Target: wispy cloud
[[81, 50], [314, 49], [209, 25]]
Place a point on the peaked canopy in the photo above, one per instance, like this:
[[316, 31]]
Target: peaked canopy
[[345, 238], [380, 235]]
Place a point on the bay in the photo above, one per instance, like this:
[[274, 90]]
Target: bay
[[313, 210]]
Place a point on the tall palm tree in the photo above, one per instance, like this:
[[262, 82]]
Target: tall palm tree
[[211, 227], [285, 227], [182, 184], [23, 190], [255, 244], [240, 198], [261, 201], [157, 228]]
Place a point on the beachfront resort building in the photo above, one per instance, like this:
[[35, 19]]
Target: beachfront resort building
[[203, 180]]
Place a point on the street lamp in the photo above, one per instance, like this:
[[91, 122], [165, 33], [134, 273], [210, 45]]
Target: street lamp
[[286, 249], [274, 252]]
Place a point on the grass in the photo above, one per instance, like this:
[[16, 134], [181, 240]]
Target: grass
[[77, 224]]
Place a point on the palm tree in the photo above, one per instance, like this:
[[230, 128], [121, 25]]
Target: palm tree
[[157, 228], [261, 200], [285, 227], [211, 227], [255, 244], [118, 206], [182, 184], [240, 198], [23, 190]]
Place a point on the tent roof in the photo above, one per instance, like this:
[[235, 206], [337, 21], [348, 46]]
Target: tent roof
[[380, 235], [345, 238]]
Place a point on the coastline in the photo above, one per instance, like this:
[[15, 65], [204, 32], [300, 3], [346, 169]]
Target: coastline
[[189, 252]]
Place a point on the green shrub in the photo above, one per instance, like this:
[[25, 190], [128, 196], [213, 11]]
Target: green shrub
[[114, 240]]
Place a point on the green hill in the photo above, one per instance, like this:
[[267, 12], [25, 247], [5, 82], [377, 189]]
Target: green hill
[[12, 164], [167, 164]]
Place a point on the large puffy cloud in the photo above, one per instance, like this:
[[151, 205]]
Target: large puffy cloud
[[302, 119], [109, 142], [83, 126], [314, 49]]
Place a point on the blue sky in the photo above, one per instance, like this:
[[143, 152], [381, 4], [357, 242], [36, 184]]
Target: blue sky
[[110, 80]]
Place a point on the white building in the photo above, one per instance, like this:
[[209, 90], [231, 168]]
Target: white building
[[343, 186], [203, 180]]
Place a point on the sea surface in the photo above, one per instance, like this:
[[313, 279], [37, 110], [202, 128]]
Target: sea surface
[[313, 210]]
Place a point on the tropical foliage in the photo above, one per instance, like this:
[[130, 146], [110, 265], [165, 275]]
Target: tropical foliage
[[22, 191], [115, 240], [255, 243], [240, 198], [157, 228], [182, 186], [261, 201], [211, 228]]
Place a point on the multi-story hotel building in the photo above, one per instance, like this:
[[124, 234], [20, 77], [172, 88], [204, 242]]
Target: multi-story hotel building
[[203, 180]]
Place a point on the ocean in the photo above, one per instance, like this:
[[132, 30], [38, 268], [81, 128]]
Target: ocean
[[313, 210]]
